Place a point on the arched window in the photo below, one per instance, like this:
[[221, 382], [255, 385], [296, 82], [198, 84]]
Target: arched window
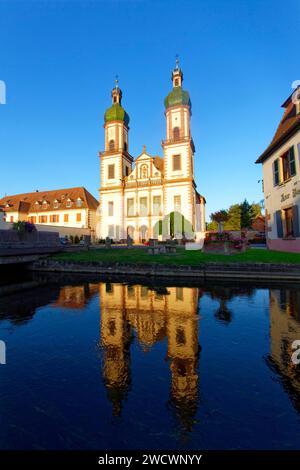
[[144, 171], [176, 133], [176, 82], [111, 144]]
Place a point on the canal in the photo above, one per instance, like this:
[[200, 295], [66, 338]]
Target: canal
[[109, 364]]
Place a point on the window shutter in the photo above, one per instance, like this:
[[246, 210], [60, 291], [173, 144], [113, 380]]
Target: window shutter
[[279, 224], [276, 172], [296, 228], [292, 162]]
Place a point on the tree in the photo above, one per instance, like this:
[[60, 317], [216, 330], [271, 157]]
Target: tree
[[220, 217], [247, 214], [234, 221], [213, 226], [256, 209]]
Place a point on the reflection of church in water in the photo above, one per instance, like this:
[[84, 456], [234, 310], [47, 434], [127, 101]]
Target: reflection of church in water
[[169, 313]]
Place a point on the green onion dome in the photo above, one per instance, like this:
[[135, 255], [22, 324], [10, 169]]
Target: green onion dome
[[116, 113], [178, 97]]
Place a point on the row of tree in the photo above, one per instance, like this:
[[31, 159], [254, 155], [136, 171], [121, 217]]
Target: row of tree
[[237, 217]]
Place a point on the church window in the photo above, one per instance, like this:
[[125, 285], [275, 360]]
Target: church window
[[111, 144], [111, 172], [143, 206], [144, 171], [130, 207], [180, 337], [109, 288], [130, 291], [112, 327], [179, 293], [111, 231], [176, 162], [156, 205], [176, 133], [144, 291], [111, 208], [177, 203]]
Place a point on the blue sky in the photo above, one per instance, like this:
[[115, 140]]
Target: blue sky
[[59, 60]]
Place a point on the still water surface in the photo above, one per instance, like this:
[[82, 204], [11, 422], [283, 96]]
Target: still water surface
[[112, 365]]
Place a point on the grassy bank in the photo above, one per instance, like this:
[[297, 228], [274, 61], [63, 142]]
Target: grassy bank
[[182, 257]]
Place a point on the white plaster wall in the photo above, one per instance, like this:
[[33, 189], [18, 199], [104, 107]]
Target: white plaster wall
[[179, 149], [178, 189], [113, 160], [273, 194], [117, 219]]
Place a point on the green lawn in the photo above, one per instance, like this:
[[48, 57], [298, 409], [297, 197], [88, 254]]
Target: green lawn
[[182, 257]]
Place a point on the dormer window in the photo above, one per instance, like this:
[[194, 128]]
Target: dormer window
[[79, 202], [55, 204], [45, 204], [69, 203]]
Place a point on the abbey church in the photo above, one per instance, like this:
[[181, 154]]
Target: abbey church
[[137, 197]]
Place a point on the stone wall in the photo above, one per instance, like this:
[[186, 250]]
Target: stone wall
[[237, 271], [13, 239]]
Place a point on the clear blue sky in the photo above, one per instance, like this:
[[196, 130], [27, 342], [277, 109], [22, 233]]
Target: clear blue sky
[[59, 60]]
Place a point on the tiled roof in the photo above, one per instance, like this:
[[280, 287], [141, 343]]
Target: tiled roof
[[27, 202], [289, 124], [159, 163], [199, 197]]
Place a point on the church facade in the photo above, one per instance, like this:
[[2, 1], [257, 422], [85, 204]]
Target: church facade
[[138, 197]]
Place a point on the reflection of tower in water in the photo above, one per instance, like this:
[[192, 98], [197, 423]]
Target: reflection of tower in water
[[183, 352], [115, 339], [154, 314]]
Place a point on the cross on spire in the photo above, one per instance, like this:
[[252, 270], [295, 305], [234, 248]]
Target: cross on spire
[[177, 61], [117, 81]]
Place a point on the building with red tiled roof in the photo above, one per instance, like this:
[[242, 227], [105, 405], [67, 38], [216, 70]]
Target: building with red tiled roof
[[69, 208], [281, 171]]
